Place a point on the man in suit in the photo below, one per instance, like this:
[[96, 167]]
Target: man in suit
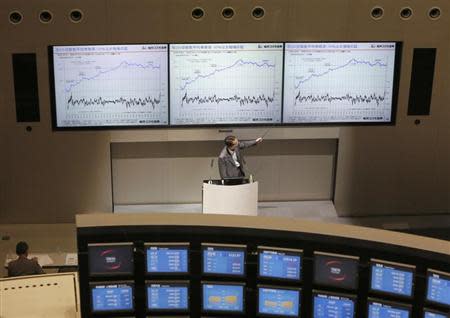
[[23, 265], [231, 160]]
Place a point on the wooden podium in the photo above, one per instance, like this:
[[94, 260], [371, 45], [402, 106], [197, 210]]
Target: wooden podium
[[230, 197]]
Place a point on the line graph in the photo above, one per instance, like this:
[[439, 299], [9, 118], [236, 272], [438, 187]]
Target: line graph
[[225, 83], [111, 85], [335, 82], [82, 79]]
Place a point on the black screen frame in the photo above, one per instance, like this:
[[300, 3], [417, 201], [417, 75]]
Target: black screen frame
[[299, 305], [291, 252], [129, 283], [184, 283], [349, 258], [224, 247], [393, 304], [397, 266], [129, 245], [441, 274], [168, 245], [53, 107], [227, 312]]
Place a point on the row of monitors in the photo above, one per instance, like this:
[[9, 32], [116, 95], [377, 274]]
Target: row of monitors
[[165, 259], [229, 298], [223, 83]]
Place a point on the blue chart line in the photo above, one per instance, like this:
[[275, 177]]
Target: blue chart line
[[352, 61], [237, 63], [124, 63]]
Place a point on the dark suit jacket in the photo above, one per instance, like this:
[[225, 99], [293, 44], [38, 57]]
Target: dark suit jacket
[[227, 168], [23, 266]]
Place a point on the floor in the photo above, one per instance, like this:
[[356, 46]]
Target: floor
[[437, 226]]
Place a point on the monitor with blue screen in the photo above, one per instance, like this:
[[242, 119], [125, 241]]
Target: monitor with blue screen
[[112, 297], [438, 287], [278, 301], [379, 309], [276, 263], [328, 305], [224, 260], [223, 297], [167, 258], [167, 296], [428, 313], [391, 278]]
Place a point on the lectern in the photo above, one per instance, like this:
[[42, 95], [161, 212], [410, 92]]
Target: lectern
[[230, 196]]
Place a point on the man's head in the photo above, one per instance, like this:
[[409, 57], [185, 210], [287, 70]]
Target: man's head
[[231, 142], [22, 248]]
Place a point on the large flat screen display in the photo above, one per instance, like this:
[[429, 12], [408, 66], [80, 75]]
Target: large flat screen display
[[333, 306], [167, 296], [227, 260], [387, 310], [391, 278], [226, 83], [223, 297], [167, 258], [340, 82], [336, 270], [112, 297], [279, 302], [438, 287], [109, 85], [110, 259], [284, 264]]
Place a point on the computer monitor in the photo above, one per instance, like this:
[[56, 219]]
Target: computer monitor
[[278, 301], [167, 296], [223, 297], [279, 263], [111, 259], [438, 287], [111, 297], [104, 86], [382, 309], [225, 83], [329, 305], [391, 278], [429, 313], [167, 258], [336, 270], [223, 260]]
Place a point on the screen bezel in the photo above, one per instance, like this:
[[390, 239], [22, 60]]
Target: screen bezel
[[170, 283], [175, 245], [203, 310], [258, 313], [441, 274], [224, 247], [92, 286], [394, 97], [287, 251], [53, 107], [351, 297], [337, 256], [397, 266], [111, 274], [392, 304]]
